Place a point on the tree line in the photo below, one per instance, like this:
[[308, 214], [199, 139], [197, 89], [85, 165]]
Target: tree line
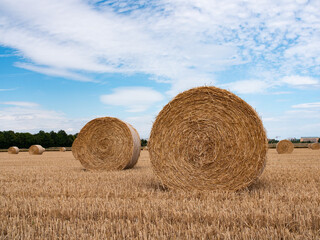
[[45, 139]]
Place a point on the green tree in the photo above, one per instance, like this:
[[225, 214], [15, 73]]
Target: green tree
[[62, 138], [25, 140], [144, 142]]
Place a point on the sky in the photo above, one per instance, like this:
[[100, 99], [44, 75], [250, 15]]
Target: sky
[[63, 63]]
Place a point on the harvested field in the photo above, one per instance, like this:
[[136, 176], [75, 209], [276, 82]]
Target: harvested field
[[51, 196]]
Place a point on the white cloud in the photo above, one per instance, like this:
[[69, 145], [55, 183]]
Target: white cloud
[[21, 104], [134, 99], [307, 105], [247, 86], [184, 42], [32, 118], [54, 72], [269, 119], [6, 89], [300, 81]]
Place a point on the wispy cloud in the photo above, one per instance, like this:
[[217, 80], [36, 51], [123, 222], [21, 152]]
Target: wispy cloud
[[55, 72], [307, 105], [247, 86], [7, 55], [31, 117], [21, 104], [7, 89], [299, 81], [134, 99], [184, 42]]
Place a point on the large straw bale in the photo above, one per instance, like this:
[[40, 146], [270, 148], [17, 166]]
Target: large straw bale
[[36, 150], [285, 146], [107, 144], [315, 146], [13, 150], [207, 138], [62, 149], [74, 146]]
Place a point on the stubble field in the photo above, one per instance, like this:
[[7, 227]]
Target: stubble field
[[52, 197]]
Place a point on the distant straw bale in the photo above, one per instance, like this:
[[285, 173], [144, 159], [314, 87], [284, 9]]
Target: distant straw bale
[[107, 144], [13, 150], [207, 138], [309, 145], [315, 146], [285, 146], [36, 150], [62, 149]]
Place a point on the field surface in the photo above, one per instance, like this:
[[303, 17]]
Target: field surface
[[52, 197]]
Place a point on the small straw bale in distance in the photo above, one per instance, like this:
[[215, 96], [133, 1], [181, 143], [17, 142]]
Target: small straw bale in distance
[[285, 146], [107, 144], [13, 150], [315, 146], [207, 138], [62, 149], [36, 150], [309, 145]]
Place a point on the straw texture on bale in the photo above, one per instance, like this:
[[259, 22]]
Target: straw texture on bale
[[73, 147], [62, 149], [107, 144], [284, 146], [207, 138], [36, 150], [13, 150], [315, 146]]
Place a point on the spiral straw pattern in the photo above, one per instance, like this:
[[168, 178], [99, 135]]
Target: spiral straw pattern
[[107, 144], [207, 138]]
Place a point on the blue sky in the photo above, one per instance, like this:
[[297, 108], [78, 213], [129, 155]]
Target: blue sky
[[63, 63]]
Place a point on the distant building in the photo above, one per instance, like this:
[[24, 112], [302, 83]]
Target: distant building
[[309, 139]]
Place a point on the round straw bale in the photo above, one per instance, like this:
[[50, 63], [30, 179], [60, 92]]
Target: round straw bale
[[315, 146], [107, 144], [309, 145], [74, 152], [284, 146], [207, 138], [62, 149], [13, 150], [36, 150]]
